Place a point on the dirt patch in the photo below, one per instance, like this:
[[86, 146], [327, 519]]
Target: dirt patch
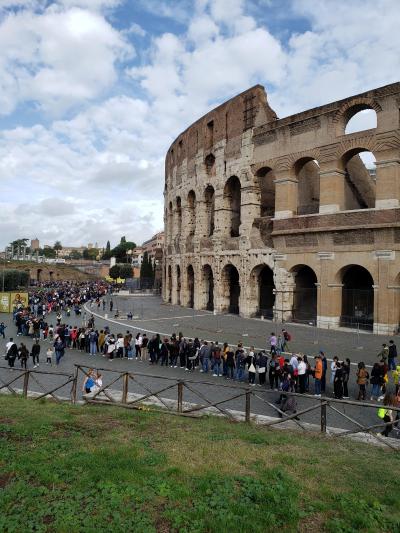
[[313, 523], [5, 479], [6, 421]]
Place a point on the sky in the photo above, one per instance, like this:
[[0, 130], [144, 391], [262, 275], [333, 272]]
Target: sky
[[93, 92]]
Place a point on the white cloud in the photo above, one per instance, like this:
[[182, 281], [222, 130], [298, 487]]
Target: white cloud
[[58, 58]]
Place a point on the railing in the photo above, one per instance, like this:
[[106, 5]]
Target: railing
[[25, 377], [190, 397]]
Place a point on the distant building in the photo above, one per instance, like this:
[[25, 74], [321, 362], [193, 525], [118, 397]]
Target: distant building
[[35, 245], [66, 251], [136, 256], [154, 245]]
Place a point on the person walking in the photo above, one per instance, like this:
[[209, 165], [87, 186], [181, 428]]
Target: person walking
[[230, 363], [23, 354], [35, 351], [272, 343], [59, 348], [273, 373], [3, 329], [376, 380], [12, 353]]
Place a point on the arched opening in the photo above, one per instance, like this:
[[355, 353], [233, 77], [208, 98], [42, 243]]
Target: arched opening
[[360, 119], [307, 174], [178, 284], [231, 289], [178, 215], [360, 179], [170, 220], [232, 201], [39, 275], [357, 298], [51, 276], [191, 210], [304, 294], [190, 284], [262, 291], [210, 164], [208, 284], [169, 284], [209, 198], [266, 181]]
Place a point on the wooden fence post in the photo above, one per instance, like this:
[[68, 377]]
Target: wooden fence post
[[125, 382], [180, 396], [25, 386], [75, 385], [323, 417], [247, 410]]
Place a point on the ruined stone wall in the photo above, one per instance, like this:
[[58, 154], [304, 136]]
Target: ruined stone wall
[[246, 192]]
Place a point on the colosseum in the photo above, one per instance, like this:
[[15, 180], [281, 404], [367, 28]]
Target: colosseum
[[281, 218]]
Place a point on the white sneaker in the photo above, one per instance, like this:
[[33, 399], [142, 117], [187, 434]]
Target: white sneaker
[[380, 398], [176, 366], [202, 370], [215, 375]]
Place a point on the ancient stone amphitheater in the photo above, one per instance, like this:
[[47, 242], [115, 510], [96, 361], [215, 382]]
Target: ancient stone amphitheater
[[281, 218]]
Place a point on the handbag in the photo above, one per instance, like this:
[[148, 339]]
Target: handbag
[[252, 368]]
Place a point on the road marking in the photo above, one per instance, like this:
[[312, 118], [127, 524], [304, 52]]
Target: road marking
[[169, 318]]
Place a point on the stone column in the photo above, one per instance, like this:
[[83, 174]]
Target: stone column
[[250, 208], [331, 188], [331, 306], [387, 183], [285, 196], [385, 316]]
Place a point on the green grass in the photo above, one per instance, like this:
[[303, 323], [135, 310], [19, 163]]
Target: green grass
[[91, 469]]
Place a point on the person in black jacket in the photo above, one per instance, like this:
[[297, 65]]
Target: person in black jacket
[[12, 354], [392, 355], [35, 353], [338, 381]]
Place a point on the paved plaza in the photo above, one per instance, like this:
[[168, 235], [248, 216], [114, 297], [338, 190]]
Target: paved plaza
[[153, 316]]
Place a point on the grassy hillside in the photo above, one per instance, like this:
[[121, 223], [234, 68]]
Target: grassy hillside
[[91, 469]]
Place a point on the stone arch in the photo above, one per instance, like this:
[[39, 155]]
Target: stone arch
[[208, 287], [39, 275], [232, 205], [209, 199], [209, 162], [357, 306], [307, 174], [266, 182], [360, 182], [351, 108], [190, 285], [178, 215], [304, 294], [230, 289], [262, 291], [51, 275], [178, 285], [169, 284], [190, 220], [363, 120]]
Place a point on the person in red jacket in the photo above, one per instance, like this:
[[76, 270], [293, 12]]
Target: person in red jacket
[[317, 376]]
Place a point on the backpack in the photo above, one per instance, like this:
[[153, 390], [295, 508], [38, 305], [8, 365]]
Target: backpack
[[381, 412], [287, 336]]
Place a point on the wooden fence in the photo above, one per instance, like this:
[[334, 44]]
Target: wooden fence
[[171, 395]]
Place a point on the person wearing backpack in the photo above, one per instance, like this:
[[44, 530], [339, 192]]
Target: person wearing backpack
[[251, 366], [387, 414]]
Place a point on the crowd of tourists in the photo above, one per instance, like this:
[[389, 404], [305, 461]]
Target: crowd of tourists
[[274, 367]]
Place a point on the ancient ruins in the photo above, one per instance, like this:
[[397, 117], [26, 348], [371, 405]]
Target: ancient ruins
[[281, 218]]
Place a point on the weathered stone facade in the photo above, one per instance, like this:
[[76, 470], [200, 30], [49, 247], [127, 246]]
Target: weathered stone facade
[[279, 217]]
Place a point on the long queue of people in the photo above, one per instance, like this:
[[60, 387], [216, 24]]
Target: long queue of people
[[275, 367]]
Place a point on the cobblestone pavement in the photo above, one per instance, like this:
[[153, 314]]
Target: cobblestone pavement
[[155, 316]]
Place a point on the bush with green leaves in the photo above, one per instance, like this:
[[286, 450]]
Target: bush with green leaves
[[14, 279]]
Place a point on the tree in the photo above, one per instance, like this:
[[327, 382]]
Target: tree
[[119, 252], [75, 255], [49, 253], [90, 253], [125, 271], [146, 269], [114, 272], [107, 252], [57, 247]]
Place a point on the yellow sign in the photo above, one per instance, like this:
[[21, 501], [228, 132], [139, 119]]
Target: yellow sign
[[18, 299], [118, 280], [5, 302]]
